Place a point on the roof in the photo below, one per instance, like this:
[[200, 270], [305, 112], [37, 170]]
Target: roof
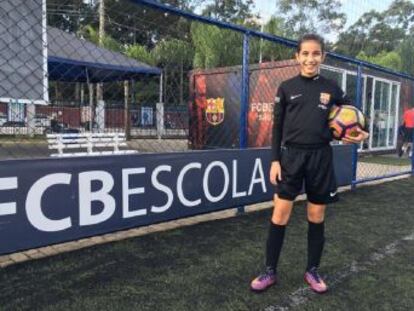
[[71, 58]]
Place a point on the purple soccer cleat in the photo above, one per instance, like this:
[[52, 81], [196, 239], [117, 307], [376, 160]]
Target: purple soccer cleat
[[315, 281], [263, 281]]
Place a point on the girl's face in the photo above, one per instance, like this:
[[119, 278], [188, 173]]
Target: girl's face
[[310, 58]]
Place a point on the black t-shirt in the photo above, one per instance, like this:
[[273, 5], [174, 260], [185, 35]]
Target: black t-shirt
[[301, 112]]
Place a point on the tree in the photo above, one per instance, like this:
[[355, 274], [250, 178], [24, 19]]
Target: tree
[[375, 32], [146, 87], [141, 53], [91, 34], [188, 5], [272, 51], [68, 15], [234, 11], [370, 33], [174, 51], [321, 16], [130, 23], [390, 60], [406, 51], [400, 14], [216, 47], [175, 57]]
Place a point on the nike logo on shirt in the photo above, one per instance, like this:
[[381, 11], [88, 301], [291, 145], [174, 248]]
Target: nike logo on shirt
[[295, 96], [332, 194]]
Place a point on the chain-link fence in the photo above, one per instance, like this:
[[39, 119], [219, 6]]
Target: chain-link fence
[[169, 80], [384, 99]]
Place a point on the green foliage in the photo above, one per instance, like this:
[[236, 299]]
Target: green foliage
[[236, 11], [130, 23], [272, 51], [188, 5], [69, 15], [406, 51], [304, 16], [215, 47], [400, 14], [147, 90], [390, 60], [140, 53], [375, 32], [91, 34], [173, 51], [175, 57]]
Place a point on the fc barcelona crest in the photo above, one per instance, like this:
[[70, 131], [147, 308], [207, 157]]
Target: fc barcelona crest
[[215, 110], [325, 98]]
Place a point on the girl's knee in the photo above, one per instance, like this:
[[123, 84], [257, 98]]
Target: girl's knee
[[316, 216], [281, 211], [316, 213], [281, 221], [316, 219], [280, 217]]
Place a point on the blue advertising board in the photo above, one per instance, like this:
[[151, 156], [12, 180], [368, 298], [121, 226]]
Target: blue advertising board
[[49, 201]]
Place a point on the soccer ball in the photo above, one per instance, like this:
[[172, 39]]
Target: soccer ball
[[345, 120]]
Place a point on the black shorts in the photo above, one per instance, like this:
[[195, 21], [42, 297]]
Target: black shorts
[[312, 168]]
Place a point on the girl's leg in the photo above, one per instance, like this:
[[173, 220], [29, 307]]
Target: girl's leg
[[316, 234], [280, 217], [281, 213], [316, 241]]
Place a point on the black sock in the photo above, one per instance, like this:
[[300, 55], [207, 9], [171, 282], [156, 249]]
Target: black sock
[[274, 245], [316, 241]]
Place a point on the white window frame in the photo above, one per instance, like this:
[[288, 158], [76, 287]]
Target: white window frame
[[390, 83]]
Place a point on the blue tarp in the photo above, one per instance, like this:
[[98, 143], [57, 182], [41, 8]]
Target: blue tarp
[[73, 59]]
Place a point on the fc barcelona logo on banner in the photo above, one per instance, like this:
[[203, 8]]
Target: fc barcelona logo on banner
[[215, 110]]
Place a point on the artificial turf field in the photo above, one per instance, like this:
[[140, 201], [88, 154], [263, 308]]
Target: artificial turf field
[[369, 263], [386, 160]]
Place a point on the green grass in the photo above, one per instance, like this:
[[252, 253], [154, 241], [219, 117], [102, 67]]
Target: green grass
[[209, 266], [386, 159], [388, 285]]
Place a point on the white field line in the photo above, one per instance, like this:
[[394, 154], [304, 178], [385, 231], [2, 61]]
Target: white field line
[[303, 294]]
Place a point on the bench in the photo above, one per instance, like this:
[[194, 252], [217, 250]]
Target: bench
[[94, 143]]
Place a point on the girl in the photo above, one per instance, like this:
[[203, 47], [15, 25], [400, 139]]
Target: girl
[[302, 153]]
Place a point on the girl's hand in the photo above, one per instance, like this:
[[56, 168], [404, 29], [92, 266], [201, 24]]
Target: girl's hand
[[362, 135], [275, 172]]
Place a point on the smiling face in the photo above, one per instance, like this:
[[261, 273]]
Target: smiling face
[[310, 57]]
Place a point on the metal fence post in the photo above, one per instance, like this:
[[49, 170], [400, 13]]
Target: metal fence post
[[412, 154], [244, 103], [358, 104]]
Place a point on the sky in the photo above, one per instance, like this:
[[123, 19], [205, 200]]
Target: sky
[[352, 8]]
